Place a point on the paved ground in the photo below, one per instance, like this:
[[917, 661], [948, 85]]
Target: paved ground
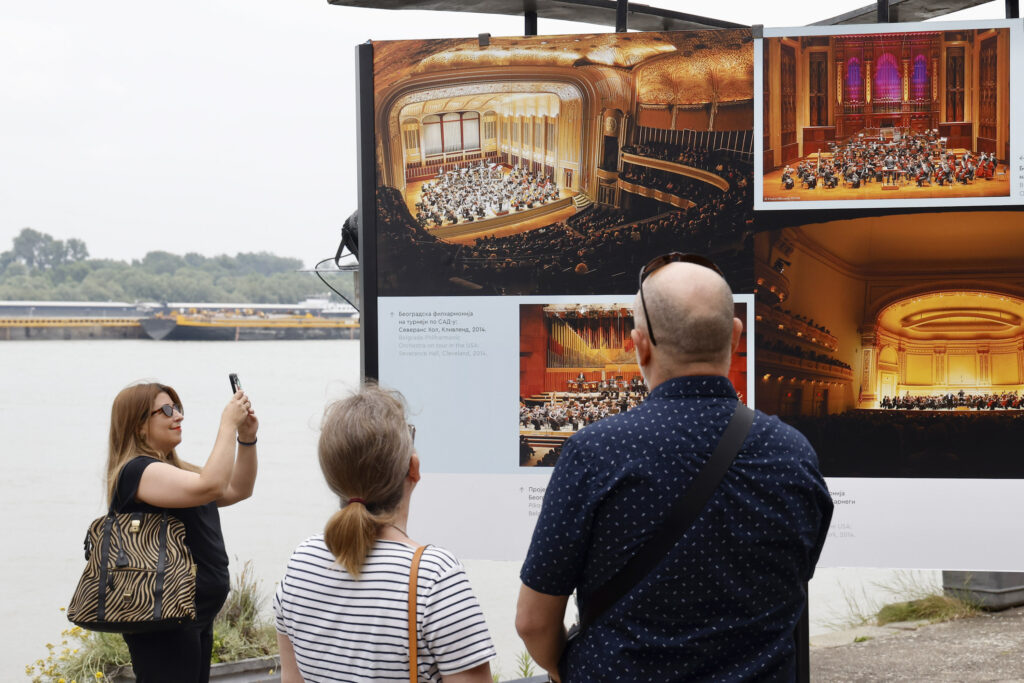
[[985, 648]]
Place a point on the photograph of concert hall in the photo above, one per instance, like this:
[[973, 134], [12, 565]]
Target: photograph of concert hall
[[896, 343], [917, 115], [561, 164], [577, 365]]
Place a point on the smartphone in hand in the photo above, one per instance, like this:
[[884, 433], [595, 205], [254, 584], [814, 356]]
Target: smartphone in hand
[[235, 384]]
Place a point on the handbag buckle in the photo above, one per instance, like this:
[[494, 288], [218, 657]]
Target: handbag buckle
[[133, 527]]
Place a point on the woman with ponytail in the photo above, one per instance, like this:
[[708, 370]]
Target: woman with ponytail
[[342, 607]]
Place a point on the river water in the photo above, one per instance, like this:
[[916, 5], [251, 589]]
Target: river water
[[54, 417]]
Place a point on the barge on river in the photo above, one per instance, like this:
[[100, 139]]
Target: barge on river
[[312, 319], [245, 327]]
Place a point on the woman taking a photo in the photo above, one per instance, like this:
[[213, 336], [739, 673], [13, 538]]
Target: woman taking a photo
[[145, 474], [342, 606]]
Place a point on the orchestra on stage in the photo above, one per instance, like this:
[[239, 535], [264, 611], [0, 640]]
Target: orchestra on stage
[[907, 158], [583, 401], [479, 191], [949, 401]]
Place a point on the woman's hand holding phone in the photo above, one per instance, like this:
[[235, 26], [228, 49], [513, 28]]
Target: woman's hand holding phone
[[247, 424]]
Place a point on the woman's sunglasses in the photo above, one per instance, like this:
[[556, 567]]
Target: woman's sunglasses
[[664, 260], [168, 410]]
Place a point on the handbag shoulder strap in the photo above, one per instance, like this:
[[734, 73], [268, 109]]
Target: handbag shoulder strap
[[414, 575], [117, 503], [679, 518]]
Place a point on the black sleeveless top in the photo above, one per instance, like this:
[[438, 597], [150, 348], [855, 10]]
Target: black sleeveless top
[[202, 533]]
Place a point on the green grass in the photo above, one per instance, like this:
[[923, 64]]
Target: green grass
[[81, 656], [524, 665], [934, 608], [862, 606], [239, 632]]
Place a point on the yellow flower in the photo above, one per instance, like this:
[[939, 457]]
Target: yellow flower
[[99, 674], [61, 680]]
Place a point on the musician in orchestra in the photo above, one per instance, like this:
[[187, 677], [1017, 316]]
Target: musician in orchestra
[[787, 178], [854, 179], [902, 171], [924, 173], [944, 174], [830, 179], [888, 169]]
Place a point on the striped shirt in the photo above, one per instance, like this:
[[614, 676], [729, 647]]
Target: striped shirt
[[346, 629]]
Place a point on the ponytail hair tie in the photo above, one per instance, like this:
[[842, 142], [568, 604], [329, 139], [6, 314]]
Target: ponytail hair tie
[[357, 500]]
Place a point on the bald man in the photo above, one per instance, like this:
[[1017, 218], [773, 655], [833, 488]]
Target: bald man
[[724, 602]]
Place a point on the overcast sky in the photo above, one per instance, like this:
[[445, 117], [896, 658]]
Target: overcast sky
[[218, 126]]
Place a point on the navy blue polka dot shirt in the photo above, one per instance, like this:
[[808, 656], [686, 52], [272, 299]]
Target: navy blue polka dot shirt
[[724, 603]]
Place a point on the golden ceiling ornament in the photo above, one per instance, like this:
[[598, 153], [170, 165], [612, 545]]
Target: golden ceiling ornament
[[564, 92], [395, 61], [959, 315], [705, 76]]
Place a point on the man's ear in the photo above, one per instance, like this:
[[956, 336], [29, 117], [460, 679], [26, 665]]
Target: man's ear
[[642, 343], [414, 468], [737, 333]]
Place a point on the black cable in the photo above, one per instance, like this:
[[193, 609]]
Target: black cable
[[316, 269]]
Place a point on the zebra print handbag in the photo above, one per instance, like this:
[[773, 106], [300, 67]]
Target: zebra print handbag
[[139, 575]]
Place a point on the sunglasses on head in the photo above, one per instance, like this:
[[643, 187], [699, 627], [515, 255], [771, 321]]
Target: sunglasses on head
[[168, 410], [661, 261], [412, 431]]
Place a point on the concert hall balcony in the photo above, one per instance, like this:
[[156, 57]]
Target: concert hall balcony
[[788, 325], [689, 171], [770, 285], [777, 365]]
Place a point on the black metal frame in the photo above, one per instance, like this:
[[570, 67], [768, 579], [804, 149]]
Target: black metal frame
[[366, 175], [646, 18]]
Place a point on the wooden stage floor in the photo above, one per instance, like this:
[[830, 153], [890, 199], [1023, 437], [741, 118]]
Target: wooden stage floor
[[412, 195], [773, 191]]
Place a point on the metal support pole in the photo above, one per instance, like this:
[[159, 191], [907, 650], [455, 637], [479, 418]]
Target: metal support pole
[[531, 22], [621, 15], [1013, 9], [802, 636], [883, 12]]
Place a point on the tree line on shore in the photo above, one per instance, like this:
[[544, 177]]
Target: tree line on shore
[[39, 267]]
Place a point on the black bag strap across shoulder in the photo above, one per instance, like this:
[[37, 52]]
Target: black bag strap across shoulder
[[679, 518]]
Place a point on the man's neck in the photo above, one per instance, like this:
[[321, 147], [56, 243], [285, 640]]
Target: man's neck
[[657, 377]]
